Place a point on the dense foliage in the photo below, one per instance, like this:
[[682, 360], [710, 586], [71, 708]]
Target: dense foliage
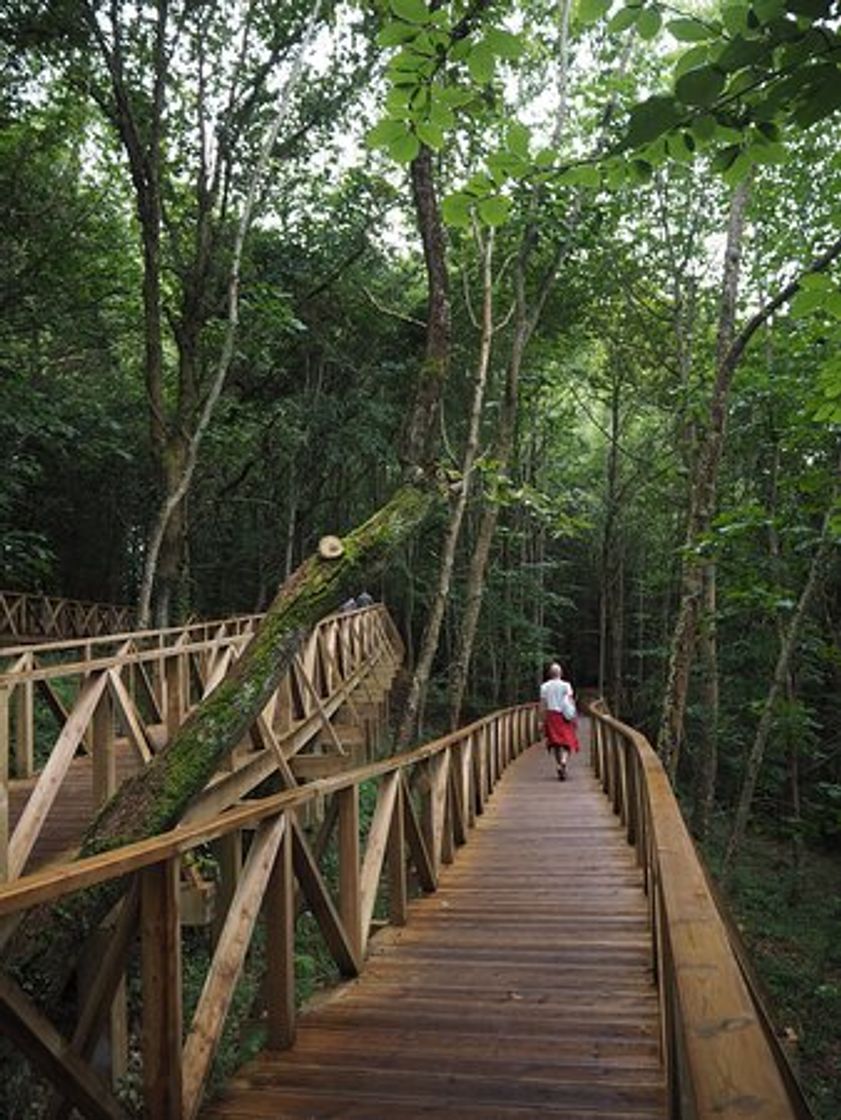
[[656, 433]]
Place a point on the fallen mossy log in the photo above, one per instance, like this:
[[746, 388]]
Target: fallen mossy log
[[43, 951]]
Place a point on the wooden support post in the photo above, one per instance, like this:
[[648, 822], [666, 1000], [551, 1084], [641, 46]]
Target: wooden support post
[[104, 756], [279, 987], [174, 695], [4, 783], [161, 971], [227, 851], [25, 737], [397, 883], [349, 886]]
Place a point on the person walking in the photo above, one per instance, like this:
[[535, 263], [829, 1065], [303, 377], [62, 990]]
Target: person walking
[[557, 706]]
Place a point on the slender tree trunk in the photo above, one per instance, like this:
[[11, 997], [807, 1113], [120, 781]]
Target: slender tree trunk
[[707, 771], [413, 710], [778, 684], [702, 498]]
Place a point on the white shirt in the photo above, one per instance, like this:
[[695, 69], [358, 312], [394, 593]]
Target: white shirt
[[552, 693]]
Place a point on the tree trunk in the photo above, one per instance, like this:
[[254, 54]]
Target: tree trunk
[[413, 710], [702, 498], [778, 683], [707, 772], [45, 945]]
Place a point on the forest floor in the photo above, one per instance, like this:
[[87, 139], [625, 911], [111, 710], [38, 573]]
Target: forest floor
[[792, 925]]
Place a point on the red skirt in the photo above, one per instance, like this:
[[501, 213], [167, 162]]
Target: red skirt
[[560, 732]]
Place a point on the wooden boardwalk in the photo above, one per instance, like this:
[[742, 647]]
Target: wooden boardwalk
[[521, 988]]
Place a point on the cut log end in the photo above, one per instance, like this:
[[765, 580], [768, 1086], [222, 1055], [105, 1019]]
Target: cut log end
[[330, 548]]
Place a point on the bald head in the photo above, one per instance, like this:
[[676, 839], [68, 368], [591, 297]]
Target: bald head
[[555, 671]]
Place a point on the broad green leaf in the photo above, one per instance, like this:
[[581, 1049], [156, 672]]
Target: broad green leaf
[[545, 157], [440, 114], [820, 101], [805, 302], [640, 171], [651, 119], [583, 176], [737, 170], [701, 86], [518, 138], [814, 9], [649, 23], [413, 11], [478, 185], [499, 166], [741, 52], [624, 18], [404, 148], [395, 33], [690, 30], [616, 174], [454, 96], [703, 127], [397, 99], [691, 59], [494, 211], [503, 43], [678, 147], [817, 282], [385, 133], [767, 153], [480, 63], [430, 135], [735, 18], [766, 10], [455, 209], [725, 158], [590, 11]]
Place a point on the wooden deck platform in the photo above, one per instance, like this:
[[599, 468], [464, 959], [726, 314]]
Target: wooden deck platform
[[522, 988]]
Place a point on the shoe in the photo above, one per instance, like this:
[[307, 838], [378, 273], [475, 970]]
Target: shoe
[[562, 773]]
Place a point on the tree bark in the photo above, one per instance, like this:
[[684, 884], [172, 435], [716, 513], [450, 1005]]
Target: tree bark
[[702, 498], [778, 685], [45, 946], [413, 709], [707, 771]]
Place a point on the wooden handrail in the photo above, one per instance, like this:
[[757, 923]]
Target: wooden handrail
[[24, 614], [420, 828], [721, 1054], [143, 693]]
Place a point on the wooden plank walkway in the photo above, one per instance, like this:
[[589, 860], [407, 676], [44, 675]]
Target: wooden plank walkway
[[522, 988]]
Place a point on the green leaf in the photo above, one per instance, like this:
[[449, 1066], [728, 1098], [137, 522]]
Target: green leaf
[[397, 99], [583, 176], [690, 30], [725, 158], [494, 211], [814, 9], [518, 139], [703, 127], [651, 119], [590, 11], [735, 18], [455, 209], [545, 157], [404, 148], [640, 171], [616, 174], [767, 153], [678, 147], [821, 101], [503, 43], [816, 282], [441, 115], [737, 170], [805, 302], [455, 96], [701, 86], [766, 10], [624, 18], [691, 59], [430, 135], [649, 23], [413, 11], [741, 52], [480, 63], [385, 132], [478, 185], [394, 33]]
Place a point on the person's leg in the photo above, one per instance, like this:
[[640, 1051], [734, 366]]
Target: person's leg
[[563, 755]]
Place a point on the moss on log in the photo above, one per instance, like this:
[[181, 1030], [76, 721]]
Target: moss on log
[[43, 951]]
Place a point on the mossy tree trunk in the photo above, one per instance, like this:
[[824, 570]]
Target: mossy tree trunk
[[45, 947]]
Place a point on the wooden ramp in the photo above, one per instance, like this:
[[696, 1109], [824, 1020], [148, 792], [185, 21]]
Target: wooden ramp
[[521, 988]]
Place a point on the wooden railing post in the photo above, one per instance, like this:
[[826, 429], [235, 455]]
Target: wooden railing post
[[25, 730], [398, 898], [161, 973], [4, 783], [280, 948], [349, 893]]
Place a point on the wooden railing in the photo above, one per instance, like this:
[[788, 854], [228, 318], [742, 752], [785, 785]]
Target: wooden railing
[[722, 1057], [137, 689], [427, 800], [31, 617]]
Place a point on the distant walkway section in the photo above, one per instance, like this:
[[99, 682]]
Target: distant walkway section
[[38, 618], [521, 988]]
